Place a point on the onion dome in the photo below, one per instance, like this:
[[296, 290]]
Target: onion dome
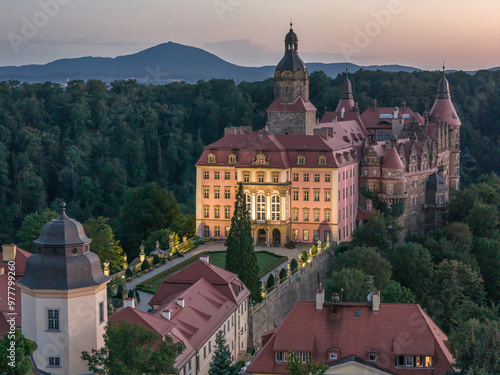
[[63, 260], [291, 60]]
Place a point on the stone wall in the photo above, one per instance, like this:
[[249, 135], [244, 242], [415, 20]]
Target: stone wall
[[301, 286]]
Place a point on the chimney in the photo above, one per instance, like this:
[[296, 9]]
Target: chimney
[[9, 252], [180, 302], [376, 300], [395, 112], [129, 302], [167, 314], [205, 258], [320, 298], [374, 104], [342, 111]]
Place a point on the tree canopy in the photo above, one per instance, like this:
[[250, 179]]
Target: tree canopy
[[21, 363]]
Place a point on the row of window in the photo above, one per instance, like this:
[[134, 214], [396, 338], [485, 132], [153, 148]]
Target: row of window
[[345, 231], [413, 361], [261, 176], [227, 193], [347, 192], [316, 215], [316, 177], [289, 357], [217, 175], [206, 212], [316, 195], [349, 210], [306, 238]]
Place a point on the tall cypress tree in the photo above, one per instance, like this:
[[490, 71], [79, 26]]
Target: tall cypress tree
[[240, 255], [221, 360]]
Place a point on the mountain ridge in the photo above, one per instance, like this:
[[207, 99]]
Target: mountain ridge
[[164, 63]]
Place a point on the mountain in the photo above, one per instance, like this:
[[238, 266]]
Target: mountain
[[164, 63]]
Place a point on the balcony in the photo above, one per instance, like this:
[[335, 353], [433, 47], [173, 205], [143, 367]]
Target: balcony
[[259, 222], [393, 198]]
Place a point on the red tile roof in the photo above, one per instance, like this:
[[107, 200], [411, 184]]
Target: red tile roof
[[393, 161], [395, 328], [371, 117]]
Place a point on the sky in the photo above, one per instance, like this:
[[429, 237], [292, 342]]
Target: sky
[[465, 34]]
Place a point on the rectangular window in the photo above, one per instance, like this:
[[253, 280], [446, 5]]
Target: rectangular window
[[305, 214], [210, 346], [372, 357], [204, 352], [306, 195], [54, 362], [206, 193], [333, 356], [295, 195], [217, 231], [206, 212], [419, 361], [217, 212], [316, 195], [217, 193], [236, 175], [316, 235], [295, 215], [408, 361], [389, 189], [295, 176], [101, 312], [261, 177], [227, 193], [327, 215], [216, 175], [206, 231], [279, 356], [227, 212], [295, 235], [226, 231], [400, 360], [227, 175], [276, 177], [316, 177], [306, 177], [53, 319], [327, 177], [206, 175], [306, 235], [327, 196], [246, 177], [428, 361], [316, 215]]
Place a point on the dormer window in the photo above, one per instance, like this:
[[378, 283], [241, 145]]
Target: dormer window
[[211, 158], [301, 160], [333, 356], [232, 159], [322, 160]]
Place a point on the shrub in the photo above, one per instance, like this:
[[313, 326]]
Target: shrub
[[294, 264], [283, 274], [303, 256], [270, 281], [187, 246], [128, 272], [119, 292], [174, 250], [314, 250], [131, 293], [156, 259], [290, 245], [145, 265]]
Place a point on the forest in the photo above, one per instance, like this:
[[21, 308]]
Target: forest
[[93, 145]]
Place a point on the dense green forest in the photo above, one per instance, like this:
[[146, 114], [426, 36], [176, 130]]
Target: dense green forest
[[89, 143], [452, 272]]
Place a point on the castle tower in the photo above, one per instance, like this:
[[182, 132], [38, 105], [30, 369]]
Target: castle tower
[[444, 111], [346, 100], [63, 297], [291, 112]]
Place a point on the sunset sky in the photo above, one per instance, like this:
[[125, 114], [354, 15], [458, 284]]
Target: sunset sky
[[424, 33]]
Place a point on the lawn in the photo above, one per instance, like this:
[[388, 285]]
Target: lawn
[[265, 260]]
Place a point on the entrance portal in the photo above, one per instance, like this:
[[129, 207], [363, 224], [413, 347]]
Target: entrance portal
[[261, 237], [276, 237]]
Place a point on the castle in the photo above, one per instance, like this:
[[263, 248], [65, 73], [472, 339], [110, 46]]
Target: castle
[[307, 180]]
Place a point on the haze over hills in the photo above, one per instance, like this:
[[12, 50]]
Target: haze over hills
[[164, 63]]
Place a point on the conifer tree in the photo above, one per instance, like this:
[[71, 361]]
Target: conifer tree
[[221, 360], [240, 254]]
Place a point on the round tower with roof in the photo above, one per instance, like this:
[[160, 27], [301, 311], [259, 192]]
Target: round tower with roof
[[346, 99], [443, 113], [63, 297], [291, 112]]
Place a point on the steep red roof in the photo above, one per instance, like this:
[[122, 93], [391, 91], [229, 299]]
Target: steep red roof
[[380, 115], [20, 261], [395, 328], [443, 109], [393, 161], [299, 106]]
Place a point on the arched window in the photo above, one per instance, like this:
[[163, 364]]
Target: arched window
[[261, 207], [275, 207], [301, 160]]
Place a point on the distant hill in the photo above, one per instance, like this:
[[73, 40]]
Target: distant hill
[[164, 63]]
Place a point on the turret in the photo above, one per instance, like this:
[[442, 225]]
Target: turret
[[346, 99]]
